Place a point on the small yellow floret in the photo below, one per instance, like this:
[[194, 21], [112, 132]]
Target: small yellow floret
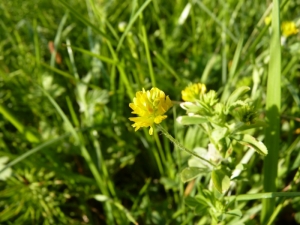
[[150, 106], [193, 92], [289, 28], [268, 20]]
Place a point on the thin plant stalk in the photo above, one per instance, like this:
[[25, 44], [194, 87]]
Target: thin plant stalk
[[180, 146]]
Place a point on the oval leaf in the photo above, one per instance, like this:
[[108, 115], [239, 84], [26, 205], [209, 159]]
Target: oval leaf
[[190, 173], [236, 95], [247, 139], [220, 180], [191, 202], [235, 212], [188, 120], [219, 133]]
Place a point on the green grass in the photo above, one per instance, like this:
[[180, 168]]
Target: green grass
[[68, 149], [273, 106]]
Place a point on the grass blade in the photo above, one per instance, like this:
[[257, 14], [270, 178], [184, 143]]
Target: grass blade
[[212, 15], [266, 195], [84, 151], [85, 21], [273, 105], [34, 150], [17, 124], [150, 65], [131, 22]]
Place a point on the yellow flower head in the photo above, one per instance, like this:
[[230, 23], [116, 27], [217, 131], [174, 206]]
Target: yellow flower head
[[268, 20], [289, 28], [193, 92], [150, 106]]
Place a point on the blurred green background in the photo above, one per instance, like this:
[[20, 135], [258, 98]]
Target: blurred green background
[[69, 69]]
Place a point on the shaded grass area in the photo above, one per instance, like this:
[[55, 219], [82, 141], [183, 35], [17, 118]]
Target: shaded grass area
[[68, 70]]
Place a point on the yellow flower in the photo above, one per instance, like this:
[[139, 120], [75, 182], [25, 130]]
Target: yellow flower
[[289, 28], [193, 92], [268, 20], [150, 106]]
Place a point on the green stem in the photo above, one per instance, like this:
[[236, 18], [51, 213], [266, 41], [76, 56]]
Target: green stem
[[160, 150], [158, 162], [180, 146]]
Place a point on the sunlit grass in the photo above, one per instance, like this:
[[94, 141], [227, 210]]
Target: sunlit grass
[[64, 111]]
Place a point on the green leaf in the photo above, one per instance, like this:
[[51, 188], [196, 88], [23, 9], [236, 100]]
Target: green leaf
[[206, 197], [256, 124], [258, 146], [201, 209], [191, 202], [169, 183], [220, 180], [218, 134], [236, 95], [200, 202], [189, 120], [191, 107], [235, 212], [190, 173]]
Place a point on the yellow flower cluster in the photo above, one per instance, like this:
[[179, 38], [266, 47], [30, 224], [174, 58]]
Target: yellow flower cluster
[[289, 28], [150, 106], [193, 92]]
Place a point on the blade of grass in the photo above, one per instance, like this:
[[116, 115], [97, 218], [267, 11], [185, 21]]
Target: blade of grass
[[224, 54], [256, 30], [101, 57], [99, 161], [249, 49], [78, 141], [37, 49], [85, 21], [123, 76], [72, 60], [265, 195], [232, 71], [72, 112], [131, 22], [209, 66], [58, 38], [17, 124], [34, 150], [212, 15], [166, 65], [273, 106], [145, 40], [67, 75]]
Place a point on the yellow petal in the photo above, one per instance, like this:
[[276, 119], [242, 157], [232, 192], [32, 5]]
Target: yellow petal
[[158, 119], [151, 130]]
